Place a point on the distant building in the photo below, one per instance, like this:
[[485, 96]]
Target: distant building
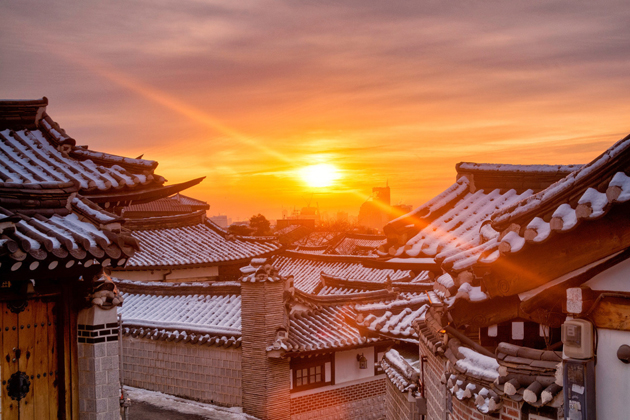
[[221, 221], [283, 223]]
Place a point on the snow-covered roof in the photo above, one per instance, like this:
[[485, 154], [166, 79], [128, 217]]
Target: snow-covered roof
[[584, 195], [452, 221], [402, 370], [322, 328], [194, 313], [45, 239], [393, 319], [357, 244], [28, 156], [307, 269], [177, 204], [190, 240], [35, 150]]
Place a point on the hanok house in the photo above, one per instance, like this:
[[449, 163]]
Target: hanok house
[[277, 350], [327, 331], [521, 247], [58, 322], [187, 248]]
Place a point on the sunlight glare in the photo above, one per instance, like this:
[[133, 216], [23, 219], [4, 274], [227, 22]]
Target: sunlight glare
[[320, 176]]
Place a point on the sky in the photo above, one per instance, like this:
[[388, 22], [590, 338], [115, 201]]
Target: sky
[[249, 93]]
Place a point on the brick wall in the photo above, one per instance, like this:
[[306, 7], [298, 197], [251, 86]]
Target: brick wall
[[204, 373], [435, 391], [397, 405], [266, 380], [363, 401]]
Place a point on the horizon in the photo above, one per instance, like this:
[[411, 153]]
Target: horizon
[[251, 94]]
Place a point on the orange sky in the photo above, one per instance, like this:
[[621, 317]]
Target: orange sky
[[248, 93]]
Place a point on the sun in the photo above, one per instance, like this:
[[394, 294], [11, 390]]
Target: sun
[[320, 176]]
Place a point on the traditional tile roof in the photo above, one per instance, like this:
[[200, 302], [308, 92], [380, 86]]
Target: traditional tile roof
[[307, 269], [35, 150], [324, 328], [190, 241], [46, 227], [584, 195], [530, 374], [316, 250], [317, 239], [177, 204], [291, 234], [402, 370], [196, 313], [357, 244], [452, 221], [393, 319]]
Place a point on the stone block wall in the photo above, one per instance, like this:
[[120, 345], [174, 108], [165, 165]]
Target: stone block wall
[[98, 364], [363, 401], [99, 381], [204, 373], [398, 406]]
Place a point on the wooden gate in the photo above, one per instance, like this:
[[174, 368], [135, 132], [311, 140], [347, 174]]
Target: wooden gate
[[30, 362]]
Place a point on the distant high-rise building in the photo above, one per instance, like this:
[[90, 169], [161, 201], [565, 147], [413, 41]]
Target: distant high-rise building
[[377, 210]]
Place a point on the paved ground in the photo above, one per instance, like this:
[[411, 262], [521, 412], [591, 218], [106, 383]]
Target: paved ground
[[145, 411], [149, 405]]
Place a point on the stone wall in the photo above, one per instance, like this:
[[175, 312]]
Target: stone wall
[[204, 373], [398, 406], [362, 401], [98, 364], [99, 381]]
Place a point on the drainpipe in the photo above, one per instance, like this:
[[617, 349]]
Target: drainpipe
[[125, 402], [166, 274], [423, 360]]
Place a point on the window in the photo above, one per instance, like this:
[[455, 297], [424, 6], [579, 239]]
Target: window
[[309, 376], [307, 373]]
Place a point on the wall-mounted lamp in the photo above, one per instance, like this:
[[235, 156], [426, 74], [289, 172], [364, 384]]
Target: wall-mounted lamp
[[362, 361]]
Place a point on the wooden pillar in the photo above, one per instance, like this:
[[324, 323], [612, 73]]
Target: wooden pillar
[[266, 381]]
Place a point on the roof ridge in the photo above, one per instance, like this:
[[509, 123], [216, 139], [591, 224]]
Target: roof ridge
[[607, 163]]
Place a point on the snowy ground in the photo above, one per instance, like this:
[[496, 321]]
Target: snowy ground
[[184, 406]]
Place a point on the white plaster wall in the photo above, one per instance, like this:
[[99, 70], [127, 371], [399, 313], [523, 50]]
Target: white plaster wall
[[158, 275], [613, 279], [347, 367], [612, 375]]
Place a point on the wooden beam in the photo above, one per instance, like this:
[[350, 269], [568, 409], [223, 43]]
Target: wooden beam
[[487, 312], [537, 264], [611, 310]]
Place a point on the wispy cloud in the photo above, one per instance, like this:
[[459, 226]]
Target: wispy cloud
[[386, 90]]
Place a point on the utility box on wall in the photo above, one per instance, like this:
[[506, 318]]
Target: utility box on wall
[[579, 370], [577, 337], [579, 389]]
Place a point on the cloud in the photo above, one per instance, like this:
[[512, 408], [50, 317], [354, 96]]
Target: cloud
[[386, 90]]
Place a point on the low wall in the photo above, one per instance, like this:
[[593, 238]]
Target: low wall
[[200, 372], [398, 406], [361, 400]]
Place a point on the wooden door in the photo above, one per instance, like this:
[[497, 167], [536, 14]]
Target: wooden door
[[29, 364]]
